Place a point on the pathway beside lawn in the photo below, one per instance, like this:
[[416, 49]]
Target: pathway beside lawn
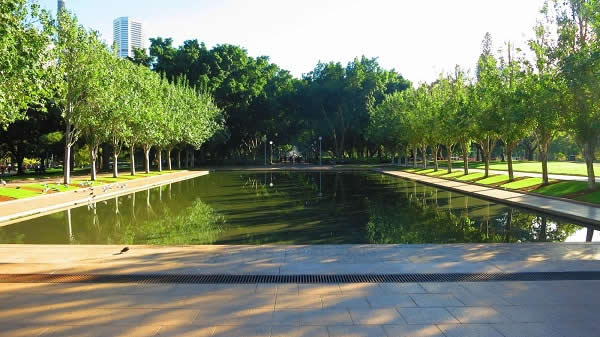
[[37, 205], [570, 210]]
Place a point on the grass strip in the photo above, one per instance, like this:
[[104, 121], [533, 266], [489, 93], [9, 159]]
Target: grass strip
[[493, 180], [471, 176], [593, 197], [524, 183], [563, 188], [17, 193]]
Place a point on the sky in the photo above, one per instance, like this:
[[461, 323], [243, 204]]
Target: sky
[[418, 38]]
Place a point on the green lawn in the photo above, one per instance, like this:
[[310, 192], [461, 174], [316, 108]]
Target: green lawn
[[17, 193], [593, 197], [493, 180], [54, 187], [471, 176], [454, 174], [524, 183], [562, 188], [438, 173], [554, 167]]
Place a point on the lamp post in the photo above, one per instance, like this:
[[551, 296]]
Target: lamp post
[[320, 151], [265, 151], [271, 142]]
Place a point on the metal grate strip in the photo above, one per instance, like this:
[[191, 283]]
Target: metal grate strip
[[317, 279]]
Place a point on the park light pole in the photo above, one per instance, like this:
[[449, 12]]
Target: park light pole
[[271, 142], [320, 151]]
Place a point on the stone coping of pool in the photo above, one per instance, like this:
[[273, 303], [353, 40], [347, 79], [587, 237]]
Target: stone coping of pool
[[17, 210], [301, 259], [584, 214]]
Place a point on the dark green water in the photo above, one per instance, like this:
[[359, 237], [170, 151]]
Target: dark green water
[[290, 208]]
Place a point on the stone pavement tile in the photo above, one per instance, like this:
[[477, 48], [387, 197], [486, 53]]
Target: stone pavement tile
[[102, 331], [299, 331], [345, 302], [524, 313], [442, 288], [170, 316], [426, 315], [129, 331], [436, 300], [21, 330], [240, 316], [239, 331], [469, 330], [185, 331], [390, 301], [376, 316], [541, 330], [477, 315], [266, 288], [193, 289], [217, 302], [144, 289], [402, 288], [361, 289], [479, 300], [319, 289], [429, 330], [286, 301], [290, 317], [287, 289], [356, 331], [326, 317], [93, 316]]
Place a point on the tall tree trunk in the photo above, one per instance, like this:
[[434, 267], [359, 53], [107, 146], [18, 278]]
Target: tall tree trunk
[[169, 159], [115, 164], [543, 147], [147, 158], [93, 155], [434, 151], [415, 157], [465, 153], [132, 159], [179, 159], [424, 152], [105, 156], [67, 159], [488, 147], [449, 156], [588, 154], [159, 157], [511, 174], [193, 159]]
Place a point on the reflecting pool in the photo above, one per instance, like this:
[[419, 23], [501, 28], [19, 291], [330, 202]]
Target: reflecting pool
[[291, 208]]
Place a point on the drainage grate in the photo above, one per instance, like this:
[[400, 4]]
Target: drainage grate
[[245, 279]]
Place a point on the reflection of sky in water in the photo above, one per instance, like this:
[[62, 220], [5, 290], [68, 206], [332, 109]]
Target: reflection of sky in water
[[579, 236]]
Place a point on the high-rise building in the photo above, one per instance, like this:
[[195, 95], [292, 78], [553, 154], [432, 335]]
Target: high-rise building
[[60, 6], [128, 34]]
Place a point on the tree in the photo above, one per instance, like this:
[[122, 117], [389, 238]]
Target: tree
[[484, 102], [515, 123], [76, 73], [546, 91], [578, 54], [25, 32]]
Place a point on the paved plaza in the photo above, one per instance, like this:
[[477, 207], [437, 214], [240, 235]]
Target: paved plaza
[[513, 308]]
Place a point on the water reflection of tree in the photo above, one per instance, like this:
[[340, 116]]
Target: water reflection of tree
[[198, 224], [420, 216]]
